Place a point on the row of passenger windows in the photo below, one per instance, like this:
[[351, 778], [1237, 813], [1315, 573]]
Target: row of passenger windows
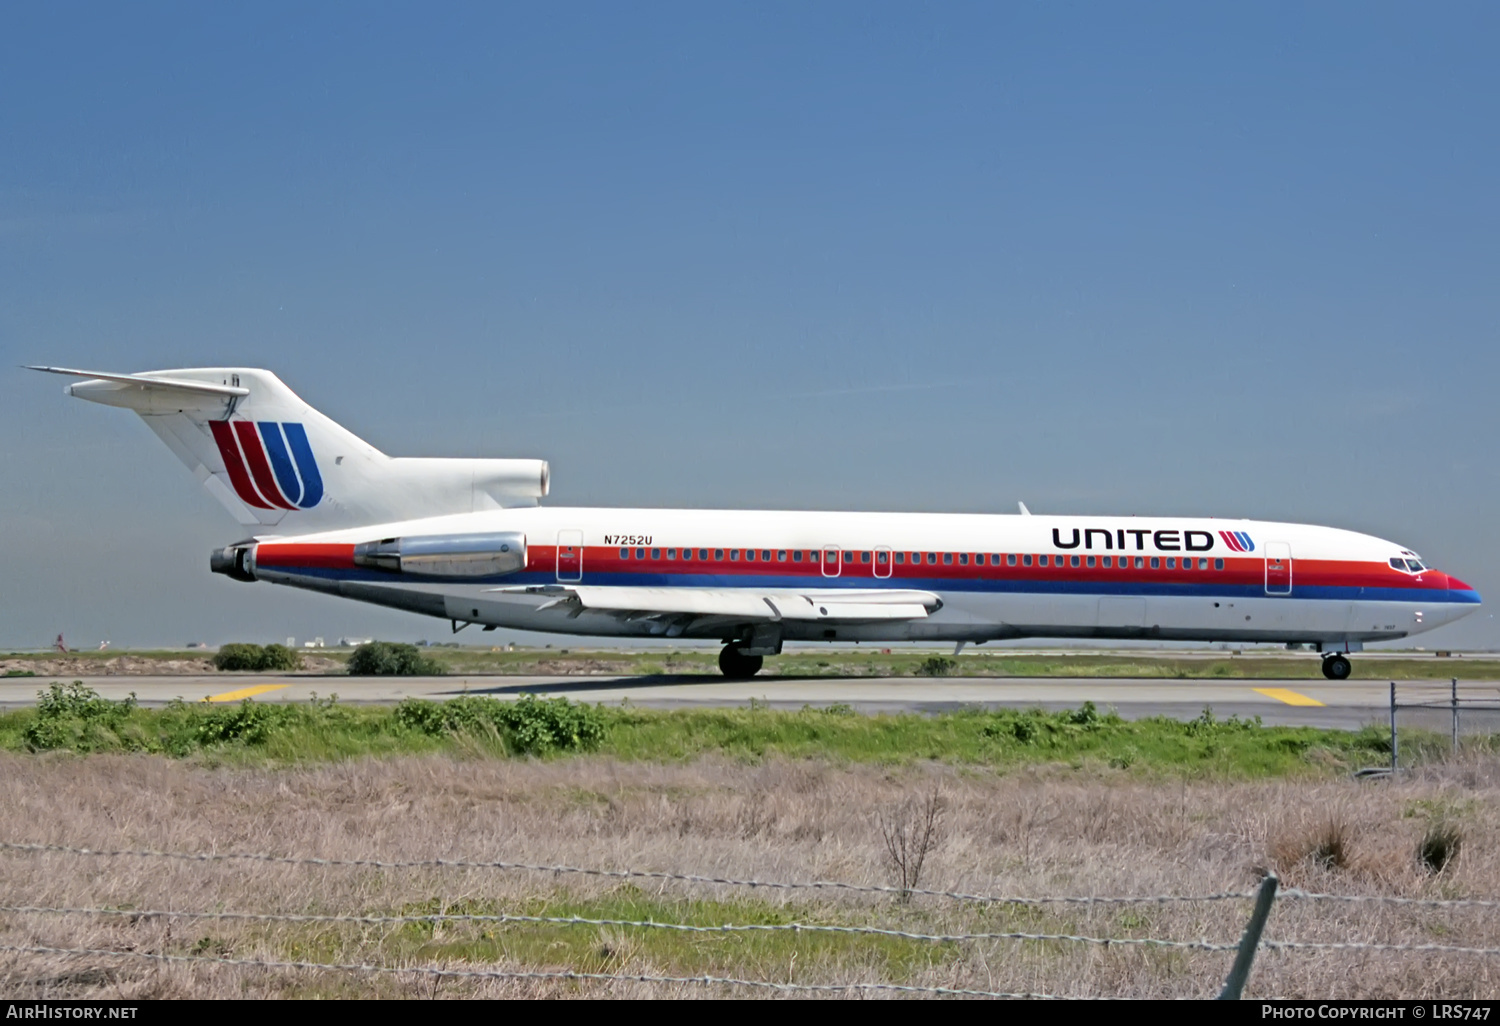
[[883, 558]]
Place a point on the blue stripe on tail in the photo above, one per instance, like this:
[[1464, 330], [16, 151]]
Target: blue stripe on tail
[[281, 463], [312, 481]]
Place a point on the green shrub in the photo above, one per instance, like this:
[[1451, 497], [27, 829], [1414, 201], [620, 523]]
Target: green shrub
[[258, 658], [279, 657], [388, 658], [250, 722], [73, 716], [936, 666], [529, 725]]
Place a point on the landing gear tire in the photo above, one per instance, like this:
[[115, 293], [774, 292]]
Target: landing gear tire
[[739, 667], [1336, 668]]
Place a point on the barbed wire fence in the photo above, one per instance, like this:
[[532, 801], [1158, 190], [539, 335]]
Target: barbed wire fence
[[1245, 948]]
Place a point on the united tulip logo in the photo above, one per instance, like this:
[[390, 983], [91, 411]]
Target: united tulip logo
[[269, 463]]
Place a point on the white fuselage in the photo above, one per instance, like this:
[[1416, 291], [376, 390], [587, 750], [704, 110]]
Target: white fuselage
[[995, 576]]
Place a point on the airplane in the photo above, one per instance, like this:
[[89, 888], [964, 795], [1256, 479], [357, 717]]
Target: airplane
[[468, 541]]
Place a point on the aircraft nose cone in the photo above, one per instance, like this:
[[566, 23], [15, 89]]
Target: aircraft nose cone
[[1465, 593]]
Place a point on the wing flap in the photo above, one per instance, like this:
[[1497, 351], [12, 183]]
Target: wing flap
[[817, 604]]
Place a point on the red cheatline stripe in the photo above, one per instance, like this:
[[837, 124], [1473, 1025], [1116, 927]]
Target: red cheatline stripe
[[260, 467], [229, 449], [333, 557]]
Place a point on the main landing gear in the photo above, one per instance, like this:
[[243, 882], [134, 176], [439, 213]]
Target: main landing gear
[[737, 666], [1336, 667]]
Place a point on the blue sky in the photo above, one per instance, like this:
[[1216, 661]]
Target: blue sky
[[1196, 259]]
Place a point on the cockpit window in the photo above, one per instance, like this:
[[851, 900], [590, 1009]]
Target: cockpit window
[[1415, 566], [1397, 563]]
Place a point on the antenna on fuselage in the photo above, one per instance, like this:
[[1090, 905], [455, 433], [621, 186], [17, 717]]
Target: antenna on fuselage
[[1024, 511]]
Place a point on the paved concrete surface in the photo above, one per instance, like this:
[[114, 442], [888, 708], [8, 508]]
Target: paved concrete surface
[[1347, 705]]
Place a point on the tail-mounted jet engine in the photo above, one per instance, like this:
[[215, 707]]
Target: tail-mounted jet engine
[[447, 555]]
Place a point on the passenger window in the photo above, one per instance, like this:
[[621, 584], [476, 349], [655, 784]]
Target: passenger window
[[848, 557], [931, 558], [1140, 561], [796, 555], [750, 555], [1171, 562], [781, 555], [640, 553], [687, 553], [625, 554], [765, 555], [1091, 562], [1025, 560], [1156, 562], [734, 555], [656, 553], [1010, 560], [864, 557], [1073, 560], [671, 553], [882, 558], [948, 558], [718, 554], [901, 557], [1218, 564], [1041, 561], [963, 559], [1202, 564]]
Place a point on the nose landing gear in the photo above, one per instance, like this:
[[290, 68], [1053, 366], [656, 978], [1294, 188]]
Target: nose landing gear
[[737, 666], [1336, 667]]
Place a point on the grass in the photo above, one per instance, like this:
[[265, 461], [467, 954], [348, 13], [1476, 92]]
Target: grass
[[73, 718], [1031, 832]]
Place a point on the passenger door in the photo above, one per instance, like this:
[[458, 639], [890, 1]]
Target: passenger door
[[570, 556], [1278, 568]]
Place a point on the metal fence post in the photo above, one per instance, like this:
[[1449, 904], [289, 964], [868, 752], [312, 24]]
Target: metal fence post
[[1393, 728], [1240, 971], [1455, 715]]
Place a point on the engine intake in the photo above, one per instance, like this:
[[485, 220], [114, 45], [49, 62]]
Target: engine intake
[[447, 555]]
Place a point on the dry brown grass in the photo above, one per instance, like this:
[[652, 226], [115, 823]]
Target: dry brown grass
[[1043, 832]]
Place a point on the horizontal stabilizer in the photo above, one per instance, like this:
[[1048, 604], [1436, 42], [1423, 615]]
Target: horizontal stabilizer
[[148, 381]]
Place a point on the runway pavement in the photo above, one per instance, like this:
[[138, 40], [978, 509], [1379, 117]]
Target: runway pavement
[[1347, 705]]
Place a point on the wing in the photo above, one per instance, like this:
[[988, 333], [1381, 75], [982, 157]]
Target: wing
[[822, 605]]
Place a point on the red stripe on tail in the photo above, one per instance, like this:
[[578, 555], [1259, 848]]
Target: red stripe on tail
[[229, 449], [260, 467]]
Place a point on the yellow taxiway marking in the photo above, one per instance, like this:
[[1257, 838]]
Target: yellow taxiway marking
[[250, 692], [1288, 696]]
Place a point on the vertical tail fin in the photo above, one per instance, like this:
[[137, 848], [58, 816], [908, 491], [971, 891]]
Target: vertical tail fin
[[275, 462]]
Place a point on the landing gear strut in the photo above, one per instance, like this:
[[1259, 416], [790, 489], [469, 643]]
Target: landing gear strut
[[736, 666], [1336, 667]]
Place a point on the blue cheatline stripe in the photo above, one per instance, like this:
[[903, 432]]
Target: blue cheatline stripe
[[1085, 588], [312, 481], [281, 463]]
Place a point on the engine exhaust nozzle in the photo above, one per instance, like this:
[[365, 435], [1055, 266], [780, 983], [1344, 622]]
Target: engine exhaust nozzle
[[234, 561]]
